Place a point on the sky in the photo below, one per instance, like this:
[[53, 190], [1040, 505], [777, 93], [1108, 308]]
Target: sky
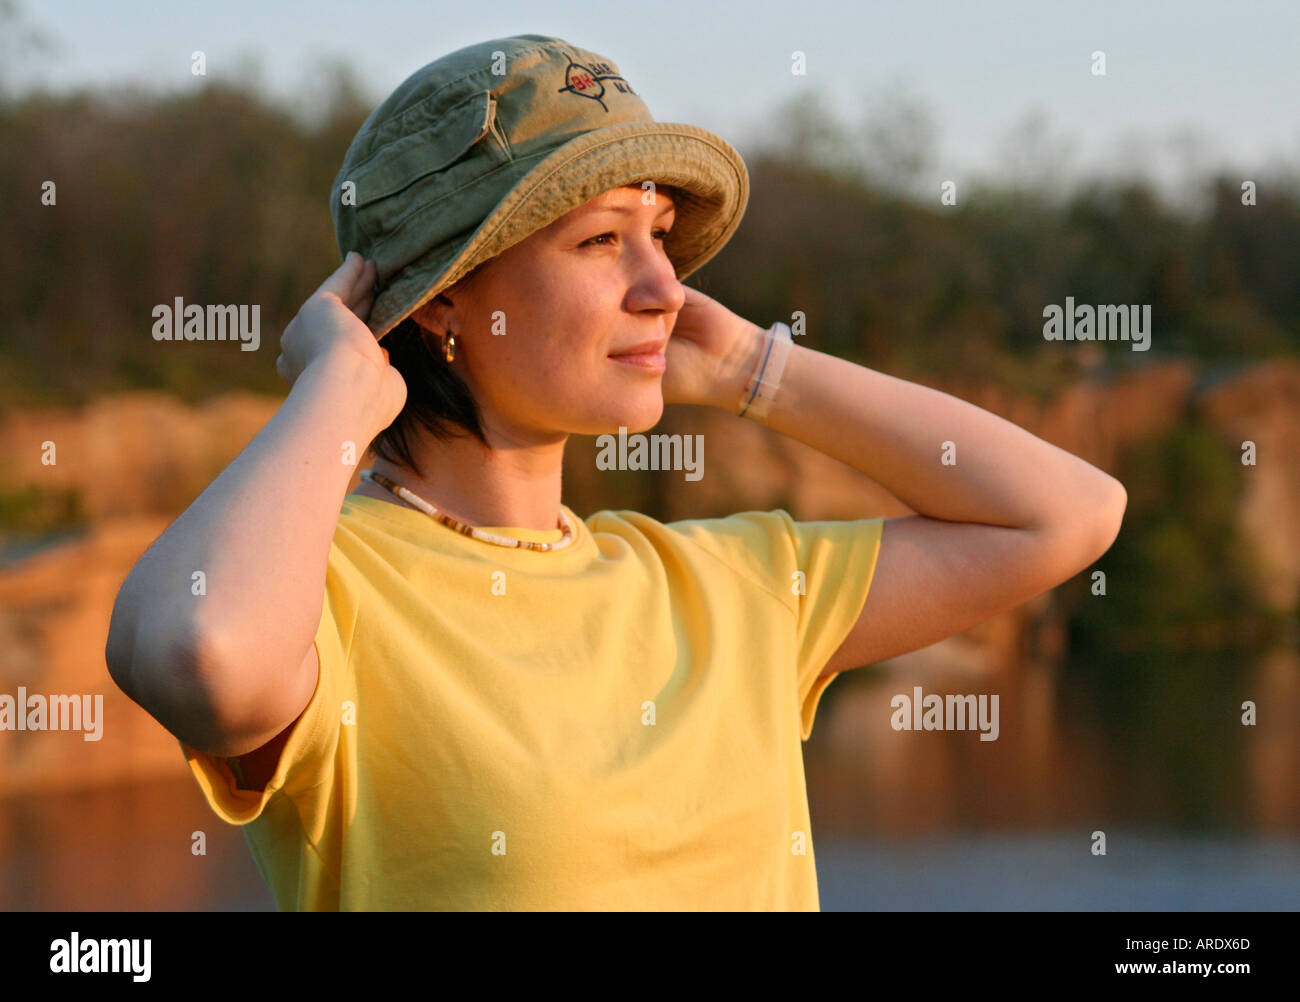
[[1008, 86]]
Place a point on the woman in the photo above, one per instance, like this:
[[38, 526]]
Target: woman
[[500, 705]]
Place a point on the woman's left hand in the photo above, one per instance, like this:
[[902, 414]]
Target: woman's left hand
[[711, 354]]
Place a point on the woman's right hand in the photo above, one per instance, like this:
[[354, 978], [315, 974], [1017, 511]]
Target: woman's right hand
[[333, 320]]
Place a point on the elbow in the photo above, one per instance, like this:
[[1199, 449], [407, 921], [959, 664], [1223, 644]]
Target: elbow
[[1072, 544], [179, 674], [1100, 528], [119, 650], [1109, 516], [159, 668]]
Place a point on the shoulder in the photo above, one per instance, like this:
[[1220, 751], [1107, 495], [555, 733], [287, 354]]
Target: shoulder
[[758, 546], [741, 531]]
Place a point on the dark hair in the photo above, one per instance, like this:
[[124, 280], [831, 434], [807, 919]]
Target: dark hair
[[437, 399]]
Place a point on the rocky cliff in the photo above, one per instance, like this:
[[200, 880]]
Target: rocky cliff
[[135, 461]]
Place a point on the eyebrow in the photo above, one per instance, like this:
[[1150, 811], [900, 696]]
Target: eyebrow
[[626, 211]]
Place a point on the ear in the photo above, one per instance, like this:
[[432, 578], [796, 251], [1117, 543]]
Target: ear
[[435, 315]]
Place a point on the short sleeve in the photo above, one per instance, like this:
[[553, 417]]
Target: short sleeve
[[820, 570], [838, 561], [307, 759]]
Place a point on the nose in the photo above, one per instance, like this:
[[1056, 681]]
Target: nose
[[655, 284]]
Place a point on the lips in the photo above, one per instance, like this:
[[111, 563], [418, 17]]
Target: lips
[[652, 361], [655, 347]]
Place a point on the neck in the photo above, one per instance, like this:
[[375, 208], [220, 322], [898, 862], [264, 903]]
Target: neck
[[512, 484]]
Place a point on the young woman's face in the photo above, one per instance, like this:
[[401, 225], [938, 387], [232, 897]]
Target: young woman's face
[[593, 284]]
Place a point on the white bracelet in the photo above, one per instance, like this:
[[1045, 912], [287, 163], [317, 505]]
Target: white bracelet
[[761, 390]]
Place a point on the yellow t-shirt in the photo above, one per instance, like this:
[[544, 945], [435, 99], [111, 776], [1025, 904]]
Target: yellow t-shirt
[[615, 725]]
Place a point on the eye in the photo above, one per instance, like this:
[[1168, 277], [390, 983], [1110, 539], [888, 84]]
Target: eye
[[660, 234]]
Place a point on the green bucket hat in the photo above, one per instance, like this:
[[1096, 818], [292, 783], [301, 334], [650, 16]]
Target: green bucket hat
[[487, 145]]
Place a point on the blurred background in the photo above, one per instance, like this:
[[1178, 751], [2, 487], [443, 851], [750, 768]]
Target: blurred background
[[1120, 712]]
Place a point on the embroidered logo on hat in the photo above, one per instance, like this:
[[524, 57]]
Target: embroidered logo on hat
[[589, 81]]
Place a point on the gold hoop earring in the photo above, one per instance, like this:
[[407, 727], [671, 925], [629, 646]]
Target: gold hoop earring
[[449, 346]]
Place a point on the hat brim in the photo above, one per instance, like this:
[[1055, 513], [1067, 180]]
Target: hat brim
[[709, 172]]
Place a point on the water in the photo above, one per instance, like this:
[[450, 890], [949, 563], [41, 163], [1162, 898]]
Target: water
[[1057, 872], [128, 848], [124, 848]]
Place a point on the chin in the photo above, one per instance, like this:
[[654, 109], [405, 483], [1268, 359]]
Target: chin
[[642, 419], [638, 409], [634, 419]]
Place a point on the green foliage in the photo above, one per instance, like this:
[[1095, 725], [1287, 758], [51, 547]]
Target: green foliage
[[1165, 658], [217, 196], [34, 511], [213, 196], [1171, 723], [1179, 576]]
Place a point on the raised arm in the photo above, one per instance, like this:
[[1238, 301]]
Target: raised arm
[[227, 670], [1008, 517]]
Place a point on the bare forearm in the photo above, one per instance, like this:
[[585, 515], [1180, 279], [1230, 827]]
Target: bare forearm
[[260, 535], [941, 456]]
